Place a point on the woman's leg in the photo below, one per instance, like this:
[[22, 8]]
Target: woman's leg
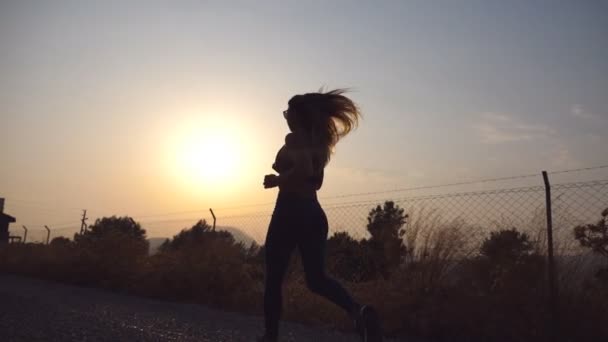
[[278, 247], [312, 245]]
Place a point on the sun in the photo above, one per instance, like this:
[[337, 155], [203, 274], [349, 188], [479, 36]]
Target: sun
[[207, 156]]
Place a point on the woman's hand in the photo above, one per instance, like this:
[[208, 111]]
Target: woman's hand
[[271, 181]]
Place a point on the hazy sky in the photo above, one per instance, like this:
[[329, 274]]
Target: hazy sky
[[124, 107]]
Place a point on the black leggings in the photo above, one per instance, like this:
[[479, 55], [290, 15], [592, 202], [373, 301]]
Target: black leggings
[[298, 222]]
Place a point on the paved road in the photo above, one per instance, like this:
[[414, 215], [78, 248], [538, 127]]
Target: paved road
[[36, 310]]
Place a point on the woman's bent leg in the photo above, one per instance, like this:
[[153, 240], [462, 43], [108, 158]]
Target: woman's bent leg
[[312, 248]]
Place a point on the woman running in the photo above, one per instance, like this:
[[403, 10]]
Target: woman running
[[316, 121]]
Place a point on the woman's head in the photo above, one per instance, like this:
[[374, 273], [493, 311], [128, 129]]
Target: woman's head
[[324, 117]]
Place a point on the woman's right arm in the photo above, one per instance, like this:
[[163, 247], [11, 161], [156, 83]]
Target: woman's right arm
[[301, 170], [293, 165]]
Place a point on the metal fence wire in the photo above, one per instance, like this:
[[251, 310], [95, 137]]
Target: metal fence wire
[[467, 218], [444, 219]]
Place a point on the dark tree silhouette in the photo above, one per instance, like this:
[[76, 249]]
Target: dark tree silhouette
[[342, 242], [201, 264], [595, 237], [508, 262], [106, 232], [349, 259], [60, 241], [196, 236], [386, 227], [110, 251], [111, 225], [506, 246]]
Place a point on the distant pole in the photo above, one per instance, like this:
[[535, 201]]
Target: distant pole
[[213, 215], [550, 259], [48, 234], [83, 225], [24, 234]]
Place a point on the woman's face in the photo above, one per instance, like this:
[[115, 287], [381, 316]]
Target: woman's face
[[291, 120]]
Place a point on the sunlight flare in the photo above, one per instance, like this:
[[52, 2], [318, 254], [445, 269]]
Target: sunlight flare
[[207, 155]]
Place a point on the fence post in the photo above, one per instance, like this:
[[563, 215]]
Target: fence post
[[213, 215], [83, 224], [550, 258], [48, 234]]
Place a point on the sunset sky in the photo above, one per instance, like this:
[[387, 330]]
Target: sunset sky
[[154, 107]]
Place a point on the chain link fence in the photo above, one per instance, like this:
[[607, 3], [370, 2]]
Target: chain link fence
[[459, 222]]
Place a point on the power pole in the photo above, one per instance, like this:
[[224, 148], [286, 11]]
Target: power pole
[[83, 225], [25, 234]]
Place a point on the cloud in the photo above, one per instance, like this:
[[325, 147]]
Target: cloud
[[578, 111], [594, 137], [496, 117], [364, 175], [564, 159], [497, 128]]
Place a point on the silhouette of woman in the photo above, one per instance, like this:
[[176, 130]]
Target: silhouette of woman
[[316, 121]]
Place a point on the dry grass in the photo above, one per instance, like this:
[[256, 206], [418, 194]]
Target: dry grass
[[444, 291]]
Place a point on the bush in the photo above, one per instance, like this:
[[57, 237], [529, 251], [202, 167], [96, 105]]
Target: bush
[[201, 265]]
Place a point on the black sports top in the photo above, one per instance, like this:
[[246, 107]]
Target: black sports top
[[283, 164]]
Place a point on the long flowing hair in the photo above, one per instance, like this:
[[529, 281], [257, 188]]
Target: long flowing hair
[[326, 117]]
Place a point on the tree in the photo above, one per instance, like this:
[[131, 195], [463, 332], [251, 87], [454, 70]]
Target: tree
[[595, 236], [110, 225], [506, 246], [201, 264], [110, 251], [342, 241], [108, 234], [199, 234], [60, 241], [349, 259], [386, 227], [508, 261]]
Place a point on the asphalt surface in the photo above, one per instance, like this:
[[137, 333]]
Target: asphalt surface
[[38, 310]]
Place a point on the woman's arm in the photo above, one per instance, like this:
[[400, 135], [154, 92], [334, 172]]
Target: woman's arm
[[300, 170], [302, 167]]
